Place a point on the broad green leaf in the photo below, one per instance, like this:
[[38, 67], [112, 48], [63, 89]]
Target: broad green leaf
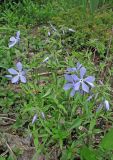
[[88, 154], [107, 141], [1, 158]]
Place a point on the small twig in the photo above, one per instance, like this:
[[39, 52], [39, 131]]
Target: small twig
[[11, 151], [53, 27], [48, 73], [94, 54], [44, 74], [14, 120], [3, 114]]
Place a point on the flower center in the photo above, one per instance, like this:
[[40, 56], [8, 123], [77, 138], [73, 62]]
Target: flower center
[[19, 73], [81, 80]]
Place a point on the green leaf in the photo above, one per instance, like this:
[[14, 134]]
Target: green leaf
[[93, 5], [88, 154], [76, 123], [1, 158], [92, 124], [47, 93], [84, 3], [107, 141]]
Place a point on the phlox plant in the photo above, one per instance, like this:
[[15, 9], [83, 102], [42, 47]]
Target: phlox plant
[[61, 108], [75, 83]]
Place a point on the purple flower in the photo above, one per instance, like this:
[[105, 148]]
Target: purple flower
[[69, 84], [79, 84], [84, 82], [14, 40], [75, 69], [105, 104], [34, 118], [19, 74], [49, 33]]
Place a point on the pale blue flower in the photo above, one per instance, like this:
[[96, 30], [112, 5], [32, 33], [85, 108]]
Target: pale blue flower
[[34, 118], [49, 33], [79, 84], [69, 84], [104, 104], [75, 69], [14, 40], [17, 75]]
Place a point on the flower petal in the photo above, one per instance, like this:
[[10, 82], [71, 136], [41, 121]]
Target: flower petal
[[68, 86], [107, 106], [12, 71], [23, 79], [79, 66], [18, 34], [11, 44], [12, 39], [85, 88], [75, 78], [71, 69], [89, 79], [68, 78], [8, 76], [72, 93], [91, 84], [15, 79], [34, 118], [23, 73], [76, 86], [82, 72], [19, 66]]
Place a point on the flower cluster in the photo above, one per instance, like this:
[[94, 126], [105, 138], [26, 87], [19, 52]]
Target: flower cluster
[[76, 78], [78, 83]]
